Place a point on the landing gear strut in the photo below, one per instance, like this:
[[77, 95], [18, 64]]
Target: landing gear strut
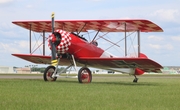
[[135, 79]]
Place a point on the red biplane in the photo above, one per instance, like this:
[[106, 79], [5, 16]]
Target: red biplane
[[69, 49]]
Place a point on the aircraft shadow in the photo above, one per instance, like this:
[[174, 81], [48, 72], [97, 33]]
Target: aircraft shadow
[[115, 83], [128, 83]]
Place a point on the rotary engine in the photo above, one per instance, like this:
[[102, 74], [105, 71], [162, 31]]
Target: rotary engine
[[61, 40]]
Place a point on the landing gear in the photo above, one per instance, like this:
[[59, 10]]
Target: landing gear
[[84, 75], [48, 74], [135, 79]]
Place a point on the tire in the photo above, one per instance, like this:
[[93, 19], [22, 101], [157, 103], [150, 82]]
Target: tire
[[84, 75], [48, 74]]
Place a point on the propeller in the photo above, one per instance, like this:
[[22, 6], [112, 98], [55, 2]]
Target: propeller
[[55, 41]]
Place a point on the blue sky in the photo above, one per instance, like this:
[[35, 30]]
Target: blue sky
[[162, 47]]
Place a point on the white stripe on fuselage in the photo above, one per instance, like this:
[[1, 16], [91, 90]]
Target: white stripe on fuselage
[[123, 70], [106, 55]]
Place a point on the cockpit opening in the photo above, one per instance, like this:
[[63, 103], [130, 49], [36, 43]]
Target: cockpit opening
[[79, 36]]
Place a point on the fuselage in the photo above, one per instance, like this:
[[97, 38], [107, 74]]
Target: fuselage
[[78, 46]]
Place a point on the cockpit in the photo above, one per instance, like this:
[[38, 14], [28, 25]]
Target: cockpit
[[79, 36], [93, 42]]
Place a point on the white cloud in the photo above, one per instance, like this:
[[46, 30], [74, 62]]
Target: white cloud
[[7, 30], [5, 1], [176, 38], [8, 34], [95, 0], [21, 46], [159, 47], [167, 14], [155, 46], [156, 38], [29, 6], [8, 48], [168, 47]]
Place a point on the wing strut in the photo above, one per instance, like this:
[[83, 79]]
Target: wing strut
[[125, 40], [82, 28], [95, 35], [43, 42], [30, 38], [138, 37]]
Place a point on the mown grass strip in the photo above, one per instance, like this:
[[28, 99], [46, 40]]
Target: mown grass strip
[[103, 93]]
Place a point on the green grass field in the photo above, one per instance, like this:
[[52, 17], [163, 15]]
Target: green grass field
[[104, 93]]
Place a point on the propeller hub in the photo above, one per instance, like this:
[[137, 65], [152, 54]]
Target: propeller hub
[[55, 38]]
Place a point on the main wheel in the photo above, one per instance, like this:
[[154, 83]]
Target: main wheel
[[84, 75], [48, 74]]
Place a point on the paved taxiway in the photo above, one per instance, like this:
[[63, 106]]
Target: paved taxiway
[[20, 76]]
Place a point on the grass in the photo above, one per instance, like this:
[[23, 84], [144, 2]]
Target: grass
[[104, 93]]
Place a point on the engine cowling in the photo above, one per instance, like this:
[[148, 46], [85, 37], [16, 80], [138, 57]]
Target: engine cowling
[[62, 43], [138, 71]]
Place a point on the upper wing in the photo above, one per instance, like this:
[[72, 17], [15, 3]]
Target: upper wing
[[144, 64], [98, 25]]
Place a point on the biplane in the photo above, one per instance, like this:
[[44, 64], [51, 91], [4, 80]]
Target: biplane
[[69, 48]]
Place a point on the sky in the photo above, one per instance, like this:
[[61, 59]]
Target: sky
[[162, 47]]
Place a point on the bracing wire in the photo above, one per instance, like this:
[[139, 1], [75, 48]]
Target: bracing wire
[[36, 43], [132, 44]]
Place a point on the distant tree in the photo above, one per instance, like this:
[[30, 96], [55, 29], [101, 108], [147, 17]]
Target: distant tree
[[41, 69]]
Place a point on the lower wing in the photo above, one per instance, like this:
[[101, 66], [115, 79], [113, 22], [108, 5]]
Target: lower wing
[[144, 64], [41, 59]]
